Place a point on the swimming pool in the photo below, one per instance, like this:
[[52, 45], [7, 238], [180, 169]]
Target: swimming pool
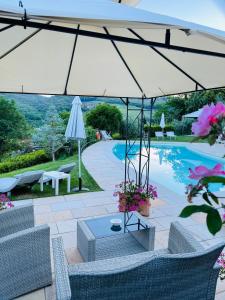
[[170, 164]]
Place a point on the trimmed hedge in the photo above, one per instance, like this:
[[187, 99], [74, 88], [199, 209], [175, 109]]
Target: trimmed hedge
[[155, 128], [24, 161], [116, 136]]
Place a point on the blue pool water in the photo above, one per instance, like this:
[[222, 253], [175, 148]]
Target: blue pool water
[[170, 164]]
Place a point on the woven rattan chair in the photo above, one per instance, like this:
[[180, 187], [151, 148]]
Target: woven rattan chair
[[183, 271], [25, 263]]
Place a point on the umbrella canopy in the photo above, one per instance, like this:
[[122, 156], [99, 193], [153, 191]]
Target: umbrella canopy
[[162, 121], [75, 127], [194, 114], [103, 48]]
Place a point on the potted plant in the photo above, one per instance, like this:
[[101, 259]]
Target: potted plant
[[5, 202], [135, 198]]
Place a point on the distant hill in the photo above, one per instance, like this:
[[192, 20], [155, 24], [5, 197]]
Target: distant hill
[[34, 107]]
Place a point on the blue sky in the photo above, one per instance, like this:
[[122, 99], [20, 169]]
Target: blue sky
[[206, 12]]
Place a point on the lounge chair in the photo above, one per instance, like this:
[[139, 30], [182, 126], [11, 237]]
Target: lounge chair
[[171, 134], [105, 136], [220, 140], [25, 262], [159, 134], [64, 169], [185, 270], [27, 179]]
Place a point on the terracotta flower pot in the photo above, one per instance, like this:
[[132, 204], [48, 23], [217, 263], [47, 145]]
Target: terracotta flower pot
[[145, 210]]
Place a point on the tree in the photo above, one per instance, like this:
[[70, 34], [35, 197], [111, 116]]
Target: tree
[[105, 117], [177, 106], [51, 135], [13, 126], [65, 115]]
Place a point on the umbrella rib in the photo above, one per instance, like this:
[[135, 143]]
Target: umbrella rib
[[125, 63], [21, 42], [169, 60], [7, 27], [71, 59], [116, 38]]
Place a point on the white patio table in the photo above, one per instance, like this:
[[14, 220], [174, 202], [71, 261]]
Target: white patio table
[[55, 176]]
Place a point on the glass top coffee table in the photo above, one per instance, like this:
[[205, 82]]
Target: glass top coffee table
[[98, 239]]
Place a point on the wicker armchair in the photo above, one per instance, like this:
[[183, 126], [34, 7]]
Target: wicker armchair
[[25, 263], [183, 271]]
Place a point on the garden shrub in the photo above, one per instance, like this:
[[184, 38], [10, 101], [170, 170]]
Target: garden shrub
[[155, 128], [116, 136], [183, 127], [24, 161]]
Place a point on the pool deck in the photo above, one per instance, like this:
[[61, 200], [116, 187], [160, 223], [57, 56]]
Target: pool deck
[[62, 212]]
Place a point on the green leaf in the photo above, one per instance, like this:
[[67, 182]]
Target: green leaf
[[213, 179], [214, 221], [206, 198], [191, 209], [215, 199], [212, 139]]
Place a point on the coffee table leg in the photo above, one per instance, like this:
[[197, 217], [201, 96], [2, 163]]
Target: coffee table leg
[[68, 184], [57, 187]]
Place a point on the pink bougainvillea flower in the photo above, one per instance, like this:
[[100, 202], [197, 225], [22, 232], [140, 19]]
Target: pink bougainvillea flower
[[133, 208], [202, 171], [208, 117]]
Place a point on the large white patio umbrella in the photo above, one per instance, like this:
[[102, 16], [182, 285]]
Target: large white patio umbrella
[[104, 48], [162, 121], [75, 130]]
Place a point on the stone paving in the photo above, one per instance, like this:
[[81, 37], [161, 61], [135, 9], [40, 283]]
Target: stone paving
[[62, 212]]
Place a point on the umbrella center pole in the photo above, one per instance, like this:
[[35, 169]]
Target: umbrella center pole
[[138, 141]]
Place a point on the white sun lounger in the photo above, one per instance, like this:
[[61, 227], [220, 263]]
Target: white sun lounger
[[159, 134], [220, 140], [171, 134], [105, 135]]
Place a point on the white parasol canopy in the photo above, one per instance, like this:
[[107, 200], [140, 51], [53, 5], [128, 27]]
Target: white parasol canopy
[[162, 121], [75, 130], [103, 48], [194, 114]]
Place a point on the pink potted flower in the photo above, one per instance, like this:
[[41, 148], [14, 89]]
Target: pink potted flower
[[5, 202], [135, 198]]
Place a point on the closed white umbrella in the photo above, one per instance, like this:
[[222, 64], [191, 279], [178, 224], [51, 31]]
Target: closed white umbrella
[[75, 129], [162, 121], [104, 48]]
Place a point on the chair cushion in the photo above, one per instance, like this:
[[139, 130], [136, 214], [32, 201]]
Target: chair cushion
[[7, 184], [29, 177]]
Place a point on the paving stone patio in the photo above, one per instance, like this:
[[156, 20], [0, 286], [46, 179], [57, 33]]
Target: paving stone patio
[[62, 212]]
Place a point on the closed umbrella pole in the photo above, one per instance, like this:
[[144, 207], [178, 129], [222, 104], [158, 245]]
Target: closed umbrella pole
[[79, 162], [75, 131]]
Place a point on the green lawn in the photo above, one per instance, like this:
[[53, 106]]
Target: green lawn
[[88, 181]]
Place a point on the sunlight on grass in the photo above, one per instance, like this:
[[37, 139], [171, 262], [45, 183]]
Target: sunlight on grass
[[88, 181]]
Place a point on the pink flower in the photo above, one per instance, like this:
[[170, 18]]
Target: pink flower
[[201, 171], [142, 202], [136, 197], [133, 208], [208, 117], [122, 208], [3, 198], [139, 190]]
